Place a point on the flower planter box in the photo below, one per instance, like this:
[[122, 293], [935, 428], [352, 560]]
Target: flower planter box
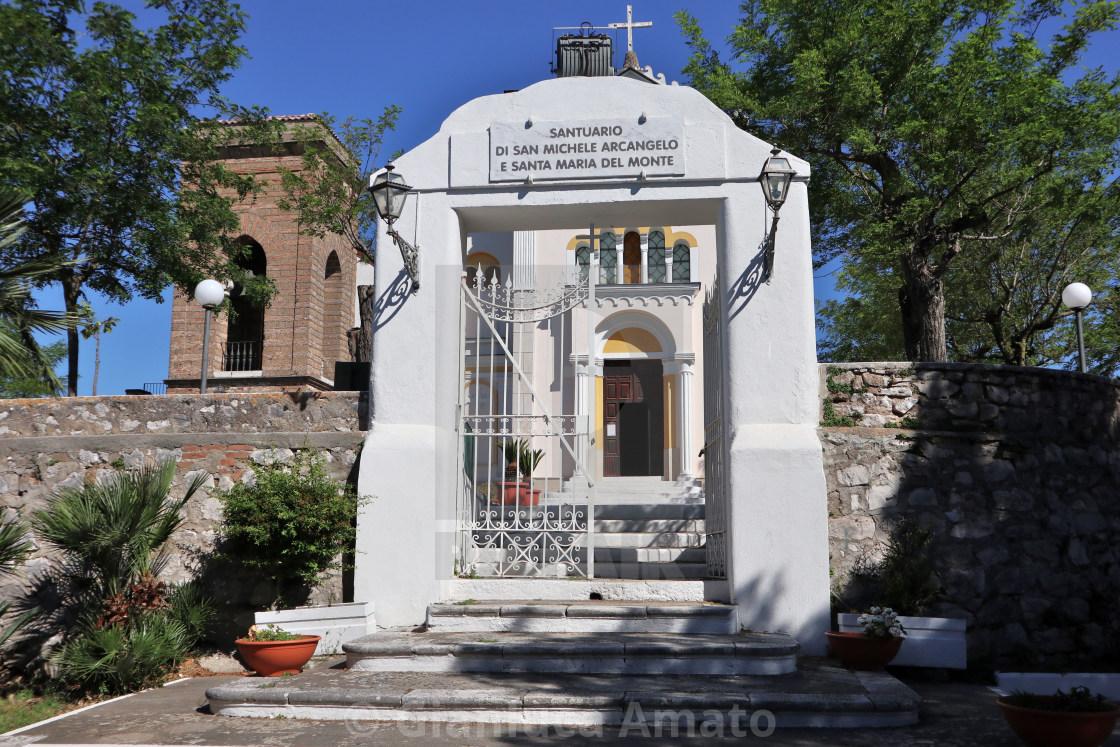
[[1045, 683], [335, 624], [930, 641]]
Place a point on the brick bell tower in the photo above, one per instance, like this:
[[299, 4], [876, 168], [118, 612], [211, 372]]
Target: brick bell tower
[[294, 343]]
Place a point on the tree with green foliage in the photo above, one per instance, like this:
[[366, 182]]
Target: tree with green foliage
[[24, 385], [330, 192], [91, 326], [101, 123], [939, 134]]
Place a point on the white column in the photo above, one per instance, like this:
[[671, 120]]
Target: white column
[[645, 258], [684, 420], [524, 259], [582, 410]]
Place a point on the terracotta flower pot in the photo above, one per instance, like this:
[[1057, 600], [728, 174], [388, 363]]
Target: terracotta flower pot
[[520, 494], [1041, 728], [273, 658], [861, 652]]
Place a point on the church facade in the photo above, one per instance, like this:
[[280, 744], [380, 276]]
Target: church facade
[[594, 305]]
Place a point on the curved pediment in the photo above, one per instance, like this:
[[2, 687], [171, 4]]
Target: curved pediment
[[583, 131]]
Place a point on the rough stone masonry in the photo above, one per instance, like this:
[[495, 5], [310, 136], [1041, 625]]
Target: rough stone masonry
[[52, 444], [1018, 471]]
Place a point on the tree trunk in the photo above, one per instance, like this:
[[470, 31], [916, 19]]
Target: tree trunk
[[360, 339], [71, 292], [96, 358], [922, 302]]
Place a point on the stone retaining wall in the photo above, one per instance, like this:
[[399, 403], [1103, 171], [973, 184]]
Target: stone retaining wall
[[1018, 472], [50, 444]]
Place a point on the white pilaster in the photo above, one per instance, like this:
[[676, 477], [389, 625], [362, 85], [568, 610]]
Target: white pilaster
[[524, 259], [645, 258], [684, 420]]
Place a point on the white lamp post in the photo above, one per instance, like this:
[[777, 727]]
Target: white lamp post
[[207, 294], [1077, 296]]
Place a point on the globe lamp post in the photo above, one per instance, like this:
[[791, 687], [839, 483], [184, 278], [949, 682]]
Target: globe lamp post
[[207, 294], [1077, 296]]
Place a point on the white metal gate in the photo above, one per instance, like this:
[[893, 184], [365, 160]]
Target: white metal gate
[[715, 486], [526, 500]]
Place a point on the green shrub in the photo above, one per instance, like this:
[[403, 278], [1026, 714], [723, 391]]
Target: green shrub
[[124, 657], [192, 609], [292, 524], [904, 576], [112, 540]]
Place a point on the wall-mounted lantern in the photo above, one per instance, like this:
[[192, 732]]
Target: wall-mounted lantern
[[389, 193], [775, 179]]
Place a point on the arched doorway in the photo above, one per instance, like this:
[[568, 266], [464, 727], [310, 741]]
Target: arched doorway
[[633, 406]]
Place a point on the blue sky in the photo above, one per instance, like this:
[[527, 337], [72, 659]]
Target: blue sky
[[352, 57]]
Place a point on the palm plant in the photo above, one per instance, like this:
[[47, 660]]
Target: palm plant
[[517, 452], [20, 354], [112, 536], [13, 548], [114, 532]]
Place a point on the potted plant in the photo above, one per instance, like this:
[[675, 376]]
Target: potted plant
[[520, 463], [875, 645], [1074, 719], [904, 581], [292, 525], [272, 652]]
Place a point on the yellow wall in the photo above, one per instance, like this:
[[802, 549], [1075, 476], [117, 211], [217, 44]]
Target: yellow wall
[[632, 340]]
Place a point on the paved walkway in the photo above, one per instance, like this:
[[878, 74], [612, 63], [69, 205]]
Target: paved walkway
[[953, 715]]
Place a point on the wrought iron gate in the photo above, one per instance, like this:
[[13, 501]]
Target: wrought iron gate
[[715, 492], [526, 500]]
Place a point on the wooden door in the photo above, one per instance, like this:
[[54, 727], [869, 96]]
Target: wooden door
[[618, 389]]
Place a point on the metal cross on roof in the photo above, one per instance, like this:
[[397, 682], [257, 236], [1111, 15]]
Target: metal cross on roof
[[630, 25]]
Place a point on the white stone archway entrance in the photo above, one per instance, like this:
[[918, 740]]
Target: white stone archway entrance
[[693, 168]]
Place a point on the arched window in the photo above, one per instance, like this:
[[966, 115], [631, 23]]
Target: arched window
[[335, 321], [682, 263], [656, 259], [245, 331], [608, 258], [583, 260], [632, 257], [487, 263]]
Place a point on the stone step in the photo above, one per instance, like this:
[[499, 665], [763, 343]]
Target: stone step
[[581, 617], [648, 539], [584, 653], [632, 511], [648, 526], [652, 571], [651, 555], [583, 589], [609, 706]]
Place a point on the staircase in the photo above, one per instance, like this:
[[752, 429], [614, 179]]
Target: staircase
[[647, 528], [587, 663]]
